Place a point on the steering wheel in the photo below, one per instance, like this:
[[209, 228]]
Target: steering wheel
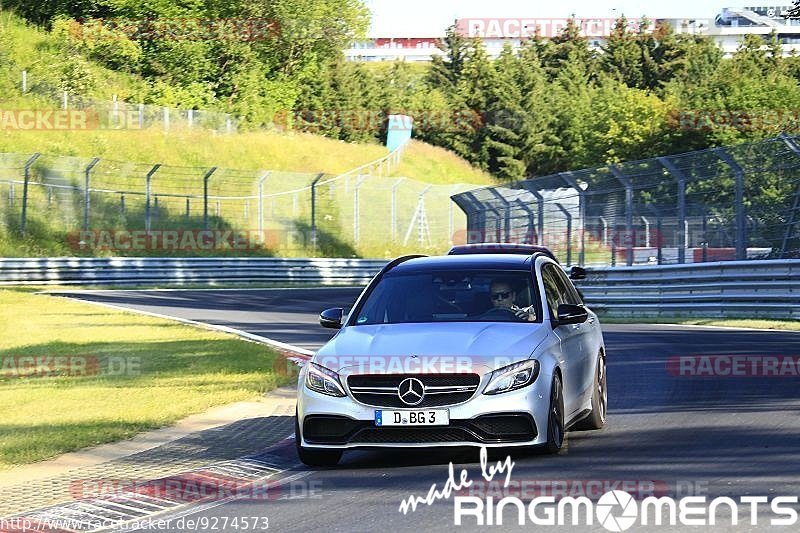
[[499, 312]]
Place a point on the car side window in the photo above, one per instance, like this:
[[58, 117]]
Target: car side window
[[571, 294], [551, 290]]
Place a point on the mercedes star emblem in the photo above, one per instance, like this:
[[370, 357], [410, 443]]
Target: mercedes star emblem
[[411, 391]]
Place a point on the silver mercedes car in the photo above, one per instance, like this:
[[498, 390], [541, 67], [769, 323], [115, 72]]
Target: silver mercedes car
[[467, 349]]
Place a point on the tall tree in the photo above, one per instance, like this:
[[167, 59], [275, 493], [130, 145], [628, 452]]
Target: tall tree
[[446, 71]]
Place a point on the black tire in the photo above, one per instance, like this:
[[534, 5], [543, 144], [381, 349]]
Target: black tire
[[597, 418], [555, 419], [314, 457]]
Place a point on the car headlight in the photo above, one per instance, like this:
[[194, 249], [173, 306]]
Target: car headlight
[[323, 380], [513, 377]]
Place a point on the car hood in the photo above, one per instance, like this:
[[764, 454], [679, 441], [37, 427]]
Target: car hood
[[442, 347]]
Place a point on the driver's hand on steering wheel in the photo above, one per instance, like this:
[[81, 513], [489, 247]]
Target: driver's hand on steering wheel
[[525, 313]]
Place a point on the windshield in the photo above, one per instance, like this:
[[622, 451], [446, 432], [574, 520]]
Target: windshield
[[451, 296]]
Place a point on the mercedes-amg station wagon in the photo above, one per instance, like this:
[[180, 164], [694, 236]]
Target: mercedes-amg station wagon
[[473, 349]]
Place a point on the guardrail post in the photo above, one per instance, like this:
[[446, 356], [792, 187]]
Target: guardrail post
[[261, 181], [738, 206], [394, 208], [147, 192], [572, 182], [628, 210], [206, 177], [683, 235], [569, 232], [86, 201], [24, 218], [314, 210]]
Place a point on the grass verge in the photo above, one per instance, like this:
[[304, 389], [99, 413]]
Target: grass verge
[[746, 323], [128, 374]]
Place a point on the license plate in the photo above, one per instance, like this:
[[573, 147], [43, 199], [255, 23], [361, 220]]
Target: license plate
[[422, 417]]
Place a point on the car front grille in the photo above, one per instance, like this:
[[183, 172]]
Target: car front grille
[[381, 390], [494, 428]]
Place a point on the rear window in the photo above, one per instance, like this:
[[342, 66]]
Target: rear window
[[451, 296]]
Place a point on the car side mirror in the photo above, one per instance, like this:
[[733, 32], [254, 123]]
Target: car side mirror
[[331, 318], [577, 273], [572, 314]]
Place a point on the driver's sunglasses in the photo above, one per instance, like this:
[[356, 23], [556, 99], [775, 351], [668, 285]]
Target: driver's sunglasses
[[500, 295]]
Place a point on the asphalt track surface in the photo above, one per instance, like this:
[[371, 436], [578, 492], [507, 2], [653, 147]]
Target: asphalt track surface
[[712, 436]]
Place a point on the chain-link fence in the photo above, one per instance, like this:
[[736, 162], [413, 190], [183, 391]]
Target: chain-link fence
[[87, 206], [117, 114], [738, 202]]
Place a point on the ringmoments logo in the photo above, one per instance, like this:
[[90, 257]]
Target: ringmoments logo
[[615, 510]]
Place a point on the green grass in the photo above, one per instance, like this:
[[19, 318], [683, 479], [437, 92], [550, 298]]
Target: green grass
[[746, 323], [435, 165], [183, 370]]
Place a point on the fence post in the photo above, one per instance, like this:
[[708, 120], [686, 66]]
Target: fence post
[[683, 235], [187, 207], [450, 220], [166, 118], [24, 81], [64, 99], [206, 177], [540, 216], [569, 231], [122, 204], [506, 215], [141, 116], [356, 226], [646, 231], [86, 200], [572, 182], [314, 210], [190, 117], [394, 207], [738, 206], [147, 193], [261, 181], [24, 221], [628, 211]]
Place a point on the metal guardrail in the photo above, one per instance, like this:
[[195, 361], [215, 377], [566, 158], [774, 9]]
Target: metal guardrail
[[184, 271], [725, 289], [752, 289]]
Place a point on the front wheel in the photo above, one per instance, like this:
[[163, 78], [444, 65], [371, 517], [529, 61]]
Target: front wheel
[[597, 418], [555, 420], [311, 456]]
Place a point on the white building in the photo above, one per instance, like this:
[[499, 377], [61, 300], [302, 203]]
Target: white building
[[727, 29]]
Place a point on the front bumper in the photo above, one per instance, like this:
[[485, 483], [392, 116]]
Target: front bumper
[[516, 418]]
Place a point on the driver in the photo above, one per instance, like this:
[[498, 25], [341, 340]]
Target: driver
[[503, 297]]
